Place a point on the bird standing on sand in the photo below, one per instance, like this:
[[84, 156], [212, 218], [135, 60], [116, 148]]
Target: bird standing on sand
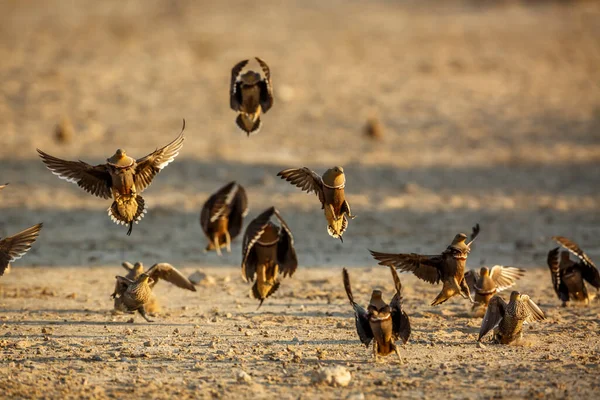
[[222, 216], [250, 94], [487, 282], [330, 191], [121, 177], [381, 323], [134, 292], [507, 319], [268, 251], [449, 267], [568, 276]]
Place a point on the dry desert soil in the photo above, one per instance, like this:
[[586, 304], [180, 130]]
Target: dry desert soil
[[490, 114]]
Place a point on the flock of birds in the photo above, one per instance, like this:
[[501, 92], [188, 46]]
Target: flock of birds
[[268, 245]]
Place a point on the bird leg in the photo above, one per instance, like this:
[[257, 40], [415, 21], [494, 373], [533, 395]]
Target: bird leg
[[398, 354], [142, 312], [228, 241], [217, 245], [375, 350], [465, 292]]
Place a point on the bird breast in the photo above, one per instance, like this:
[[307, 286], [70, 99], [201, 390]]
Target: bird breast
[[335, 197], [485, 285], [122, 180], [266, 254], [138, 293], [250, 98]]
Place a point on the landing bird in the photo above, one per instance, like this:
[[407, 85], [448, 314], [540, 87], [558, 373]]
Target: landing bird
[[268, 251], [14, 247], [134, 292], [381, 323], [330, 191], [449, 267], [487, 282], [222, 216], [568, 276], [507, 319], [121, 178], [250, 94]]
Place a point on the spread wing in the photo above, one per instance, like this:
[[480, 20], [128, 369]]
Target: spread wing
[[427, 268], [361, 316], [471, 278], [121, 286], [493, 316], [305, 179], [475, 232], [505, 277], [170, 274], [235, 99], [559, 286], [573, 248], [94, 179], [239, 209], [266, 87], [253, 232], [533, 311], [127, 265], [147, 167], [286, 253], [14, 247], [400, 321]]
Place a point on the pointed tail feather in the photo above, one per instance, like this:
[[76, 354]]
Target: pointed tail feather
[[247, 124], [127, 210]]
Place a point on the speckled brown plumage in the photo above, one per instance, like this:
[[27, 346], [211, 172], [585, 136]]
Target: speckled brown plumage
[[133, 292], [121, 178], [268, 251], [330, 189], [381, 322], [487, 282], [507, 319], [448, 268]]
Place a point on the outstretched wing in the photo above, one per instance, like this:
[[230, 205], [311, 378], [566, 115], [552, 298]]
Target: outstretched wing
[[235, 100], [170, 274], [305, 179], [533, 311], [127, 265], [400, 321], [493, 316], [93, 179], [361, 316], [253, 232], [559, 286], [573, 248], [471, 278], [286, 253], [427, 268], [266, 87], [505, 277], [147, 167], [14, 247], [475, 232]]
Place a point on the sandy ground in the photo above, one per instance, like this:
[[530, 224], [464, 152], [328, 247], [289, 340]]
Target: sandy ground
[[491, 113], [61, 340]]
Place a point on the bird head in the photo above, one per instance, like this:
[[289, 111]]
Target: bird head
[[120, 159], [145, 278], [138, 268], [484, 271], [514, 296], [250, 78], [334, 178], [458, 248]]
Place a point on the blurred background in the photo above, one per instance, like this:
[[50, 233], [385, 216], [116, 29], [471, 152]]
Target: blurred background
[[443, 114]]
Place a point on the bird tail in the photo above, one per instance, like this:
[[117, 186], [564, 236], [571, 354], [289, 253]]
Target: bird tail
[[127, 210], [249, 123], [336, 226], [259, 296]]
